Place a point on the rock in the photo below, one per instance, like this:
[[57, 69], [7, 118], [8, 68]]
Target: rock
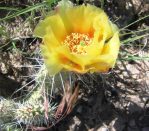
[[76, 124], [103, 129]]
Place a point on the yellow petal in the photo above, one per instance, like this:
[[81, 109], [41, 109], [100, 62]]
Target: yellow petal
[[51, 61], [53, 24], [51, 42], [112, 48], [81, 18], [107, 58], [100, 66], [60, 58], [104, 26], [95, 48], [68, 60]]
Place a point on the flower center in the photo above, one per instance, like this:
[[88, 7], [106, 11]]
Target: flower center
[[77, 42]]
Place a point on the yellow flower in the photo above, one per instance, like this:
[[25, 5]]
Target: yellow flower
[[78, 39]]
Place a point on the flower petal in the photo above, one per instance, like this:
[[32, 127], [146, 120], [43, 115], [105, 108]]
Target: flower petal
[[112, 48], [104, 26], [53, 24], [68, 60], [98, 67], [81, 18], [51, 42], [108, 57], [51, 61], [96, 46]]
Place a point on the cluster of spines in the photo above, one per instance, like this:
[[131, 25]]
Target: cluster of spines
[[29, 113], [33, 113], [6, 110]]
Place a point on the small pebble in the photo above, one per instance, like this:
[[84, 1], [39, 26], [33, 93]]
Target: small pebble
[[103, 129]]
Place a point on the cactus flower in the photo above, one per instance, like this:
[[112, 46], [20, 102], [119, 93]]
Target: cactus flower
[[79, 39]]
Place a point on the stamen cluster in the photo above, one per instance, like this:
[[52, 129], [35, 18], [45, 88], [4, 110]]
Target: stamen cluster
[[77, 42]]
